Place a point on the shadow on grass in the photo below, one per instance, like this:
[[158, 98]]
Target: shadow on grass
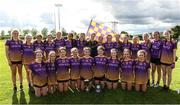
[[22, 99], [118, 96], [14, 98]]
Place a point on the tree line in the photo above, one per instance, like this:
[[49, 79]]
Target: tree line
[[45, 32]]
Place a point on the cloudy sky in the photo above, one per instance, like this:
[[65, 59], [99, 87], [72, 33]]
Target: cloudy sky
[[133, 16]]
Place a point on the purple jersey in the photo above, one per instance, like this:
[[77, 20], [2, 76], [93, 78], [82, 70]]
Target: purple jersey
[[51, 72], [156, 46], [51, 68], [112, 69], [39, 73], [69, 44], [28, 53], [38, 45], [80, 46], [135, 48], [127, 66], [49, 47], [127, 70], [100, 64], [117, 45], [38, 68], [167, 51], [145, 46], [108, 46], [15, 50], [87, 68], [141, 72], [59, 43], [126, 45], [75, 68], [62, 66]]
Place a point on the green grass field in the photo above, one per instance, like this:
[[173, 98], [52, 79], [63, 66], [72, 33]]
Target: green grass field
[[153, 95]]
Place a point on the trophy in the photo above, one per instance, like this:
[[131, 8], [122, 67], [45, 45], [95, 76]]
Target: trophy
[[98, 88]]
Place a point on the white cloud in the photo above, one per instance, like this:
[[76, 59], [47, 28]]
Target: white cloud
[[134, 16]]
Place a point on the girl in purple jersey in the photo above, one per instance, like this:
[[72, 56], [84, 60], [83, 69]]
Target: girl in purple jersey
[[49, 45], [75, 68], [146, 45], [100, 65], [63, 73], [70, 43], [112, 74], [125, 42], [59, 42], [38, 74], [13, 48], [100, 41], [51, 71], [38, 43], [27, 56], [168, 58], [156, 47], [81, 43], [86, 71], [117, 45], [108, 45], [127, 68], [135, 47], [142, 69]]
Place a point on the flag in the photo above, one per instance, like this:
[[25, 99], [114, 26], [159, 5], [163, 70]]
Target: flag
[[99, 30]]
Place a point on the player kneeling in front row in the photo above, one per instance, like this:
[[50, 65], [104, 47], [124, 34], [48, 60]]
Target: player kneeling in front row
[[100, 62], [127, 66], [75, 68], [51, 71], [141, 68], [86, 69], [112, 74], [62, 73], [38, 74]]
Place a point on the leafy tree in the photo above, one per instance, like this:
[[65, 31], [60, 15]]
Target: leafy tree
[[64, 33], [53, 32], [44, 32], [124, 32], [176, 31], [34, 32], [25, 31], [9, 32], [2, 33]]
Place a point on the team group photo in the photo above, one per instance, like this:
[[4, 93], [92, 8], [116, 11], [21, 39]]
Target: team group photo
[[107, 62]]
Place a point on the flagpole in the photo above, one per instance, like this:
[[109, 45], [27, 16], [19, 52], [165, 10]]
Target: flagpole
[[89, 26]]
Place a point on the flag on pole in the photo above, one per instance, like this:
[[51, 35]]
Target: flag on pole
[[100, 30]]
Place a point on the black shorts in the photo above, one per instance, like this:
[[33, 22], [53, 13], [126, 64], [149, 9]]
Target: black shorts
[[74, 79], [100, 78], [156, 61], [40, 86], [62, 81], [16, 62], [114, 81], [166, 64]]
